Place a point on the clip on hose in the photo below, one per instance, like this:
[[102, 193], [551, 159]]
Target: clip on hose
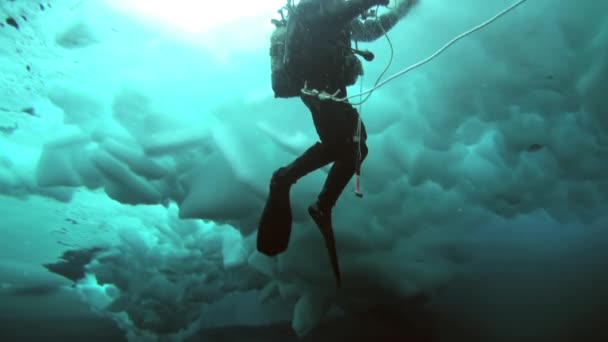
[[358, 192]]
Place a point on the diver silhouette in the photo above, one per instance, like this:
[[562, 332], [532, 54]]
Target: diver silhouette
[[317, 52]]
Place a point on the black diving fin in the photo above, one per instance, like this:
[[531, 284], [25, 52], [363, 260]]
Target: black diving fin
[[274, 228], [323, 221]]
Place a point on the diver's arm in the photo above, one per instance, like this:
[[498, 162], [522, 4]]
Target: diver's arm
[[342, 12], [372, 29]]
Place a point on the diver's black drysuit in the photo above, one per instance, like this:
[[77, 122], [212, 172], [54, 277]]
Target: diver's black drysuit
[[328, 66]]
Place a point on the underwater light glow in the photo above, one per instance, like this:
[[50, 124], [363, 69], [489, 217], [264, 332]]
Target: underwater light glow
[[194, 17]]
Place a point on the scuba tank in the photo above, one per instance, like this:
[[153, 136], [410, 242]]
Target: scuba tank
[[283, 85], [290, 61]]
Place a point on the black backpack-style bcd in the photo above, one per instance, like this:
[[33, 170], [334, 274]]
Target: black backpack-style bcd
[[284, 83], [288, 53]]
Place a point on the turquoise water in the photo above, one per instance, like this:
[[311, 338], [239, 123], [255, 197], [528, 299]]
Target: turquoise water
[[137, 143]]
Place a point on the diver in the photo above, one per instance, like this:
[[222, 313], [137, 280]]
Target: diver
[[324, 59]]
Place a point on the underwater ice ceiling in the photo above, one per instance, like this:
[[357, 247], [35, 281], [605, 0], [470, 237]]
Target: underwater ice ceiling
[[165, 116]]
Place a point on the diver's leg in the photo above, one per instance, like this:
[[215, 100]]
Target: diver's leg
[[349, 157], [336, 124], [314, 158], [339, 176], [274, 228]]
